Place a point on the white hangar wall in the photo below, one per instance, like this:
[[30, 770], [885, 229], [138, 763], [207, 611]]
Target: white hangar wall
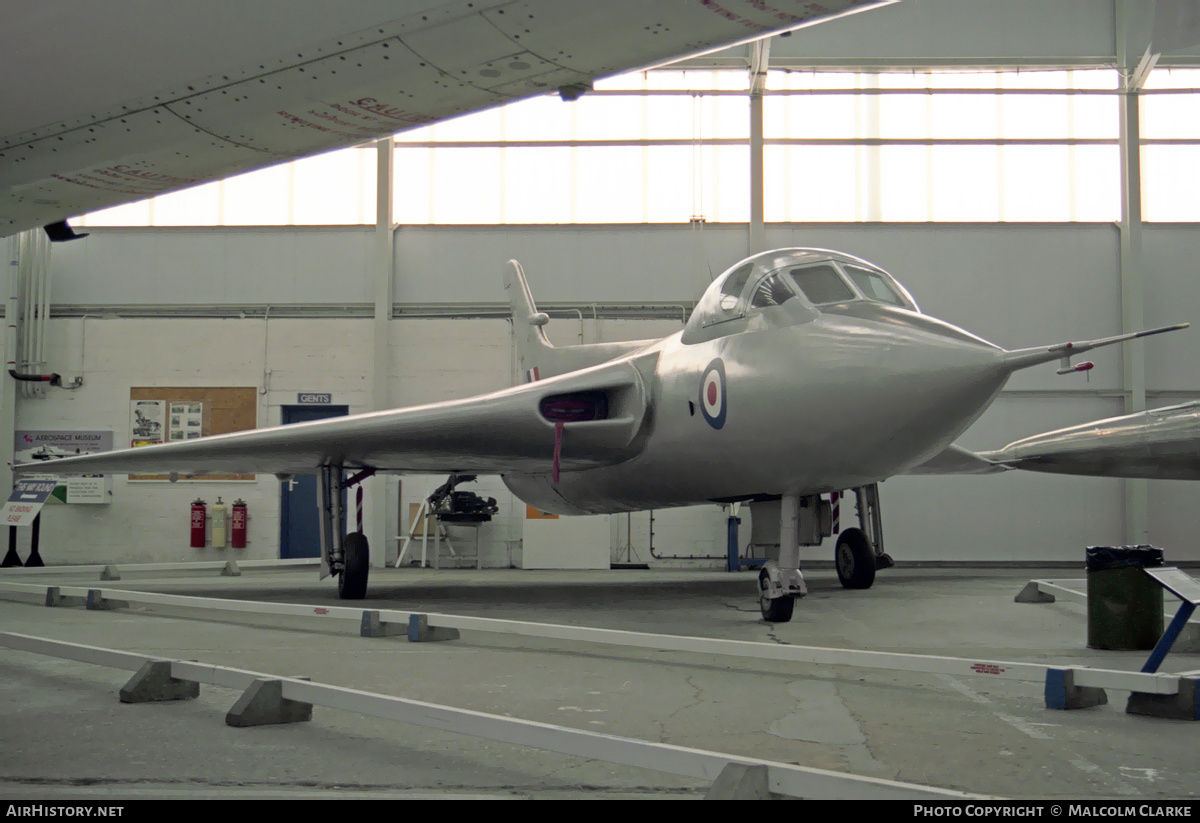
[[1017, 285], [148, 520]]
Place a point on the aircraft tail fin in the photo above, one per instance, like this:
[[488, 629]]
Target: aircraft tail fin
[[537, 357], [528, 324]]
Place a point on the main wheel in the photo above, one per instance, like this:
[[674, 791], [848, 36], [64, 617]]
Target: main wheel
[[854, 559], [356, 562], [774, 609]]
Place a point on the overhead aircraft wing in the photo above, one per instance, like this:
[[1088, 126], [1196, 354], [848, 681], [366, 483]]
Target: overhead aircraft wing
[[1158, 444], [122, 100], [593, 417]]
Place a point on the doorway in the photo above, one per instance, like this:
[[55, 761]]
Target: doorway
[[299, 529]]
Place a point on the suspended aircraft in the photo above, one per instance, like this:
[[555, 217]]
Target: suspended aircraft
[[800, 372], [122, 100]]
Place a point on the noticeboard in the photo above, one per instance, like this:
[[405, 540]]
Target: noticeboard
[[164, 413]]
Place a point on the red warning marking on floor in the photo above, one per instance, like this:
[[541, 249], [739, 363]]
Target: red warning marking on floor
[[987, 668]]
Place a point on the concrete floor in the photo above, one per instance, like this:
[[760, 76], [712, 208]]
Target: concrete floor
[[64, 735]]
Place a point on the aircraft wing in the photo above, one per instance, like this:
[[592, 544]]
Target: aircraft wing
[[593, 417], [124, 99], [957, 460], [1158, 444]]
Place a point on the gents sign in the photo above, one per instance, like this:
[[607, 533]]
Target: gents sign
[[311, 398], [26, 501]]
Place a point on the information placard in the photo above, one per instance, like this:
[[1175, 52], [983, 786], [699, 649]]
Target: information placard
[[26, 500]]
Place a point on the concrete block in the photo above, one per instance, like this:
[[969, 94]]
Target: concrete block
[[1184, 705], [739, 781], [153, 682], [264, 704], [419, 630], [1062, 693], [231, 569], [98, 602], [1032, 593], [372, 626], [110, 573], [55, 598]]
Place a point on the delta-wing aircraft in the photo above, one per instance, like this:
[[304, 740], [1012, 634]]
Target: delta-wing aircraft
[[120, 100], [799, 373]]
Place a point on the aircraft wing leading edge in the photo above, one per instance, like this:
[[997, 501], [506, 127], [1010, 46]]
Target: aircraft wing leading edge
[[509, 430], [1161, 444], [430, 62]]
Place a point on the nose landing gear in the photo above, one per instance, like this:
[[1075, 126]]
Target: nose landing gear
[[775, 599], [802, 521], [781, 582]]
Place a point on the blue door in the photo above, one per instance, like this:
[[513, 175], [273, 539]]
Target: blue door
[[299, 526]]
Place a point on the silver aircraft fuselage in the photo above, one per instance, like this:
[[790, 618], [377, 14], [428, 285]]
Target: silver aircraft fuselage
[[858, 393]]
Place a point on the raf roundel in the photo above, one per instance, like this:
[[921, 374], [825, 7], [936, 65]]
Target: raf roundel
[[712, 394]]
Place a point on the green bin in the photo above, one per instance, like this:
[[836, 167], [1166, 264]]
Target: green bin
[[1125, 605]]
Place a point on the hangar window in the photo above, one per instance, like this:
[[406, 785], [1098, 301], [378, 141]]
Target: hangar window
[[934, 145], [673, 146], [1170, 143]]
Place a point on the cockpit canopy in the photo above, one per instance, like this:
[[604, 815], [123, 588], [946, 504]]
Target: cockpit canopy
[[813, 277]]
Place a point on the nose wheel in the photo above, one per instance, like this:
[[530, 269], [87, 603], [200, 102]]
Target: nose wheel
[[775, 607]]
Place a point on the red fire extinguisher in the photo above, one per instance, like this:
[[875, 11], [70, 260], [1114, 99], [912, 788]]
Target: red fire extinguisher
[[238, 537], [199, 519]]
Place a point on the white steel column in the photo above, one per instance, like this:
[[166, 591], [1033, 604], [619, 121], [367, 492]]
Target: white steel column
[[1130, 47], [384, 297], [8, 386], [760, 53]]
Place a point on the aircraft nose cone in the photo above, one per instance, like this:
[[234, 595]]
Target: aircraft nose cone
[[909, 385], [941, 383]]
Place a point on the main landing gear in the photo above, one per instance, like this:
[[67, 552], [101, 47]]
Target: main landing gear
[[346, 555], [805, 520]]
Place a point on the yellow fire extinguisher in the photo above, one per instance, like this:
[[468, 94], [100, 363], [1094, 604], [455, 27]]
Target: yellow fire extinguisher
[[219, 520]]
